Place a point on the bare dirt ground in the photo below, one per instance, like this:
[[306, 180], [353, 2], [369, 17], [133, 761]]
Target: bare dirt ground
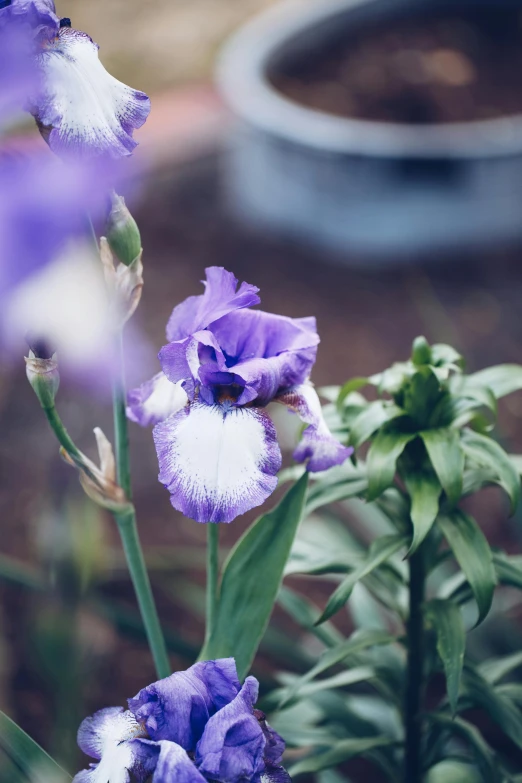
[[159, 43]]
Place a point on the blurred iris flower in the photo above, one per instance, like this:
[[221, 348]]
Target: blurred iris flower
[[81, 110], [194, 726], [216, 444]]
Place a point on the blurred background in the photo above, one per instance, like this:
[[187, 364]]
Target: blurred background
[[347, 222]]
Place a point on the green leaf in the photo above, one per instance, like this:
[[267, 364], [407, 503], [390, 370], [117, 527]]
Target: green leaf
[[350, 386], [472, 736], [487, 452], [374, 416], [502, 379], [443, 447], [444, 355], [382, 460], [27, 755], [343, 751], [498, 706], [380, 550], [424, 490], [509, 569], [304, 613], [251, 580], [451, 642], [496, 669], [353, 676], [358, 641], [334, 493], [472, 552]]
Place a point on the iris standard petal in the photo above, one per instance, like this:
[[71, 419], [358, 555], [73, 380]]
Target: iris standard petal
[[175, 765], [39, 15], [182, 360], [317, 445], [178, 707], [221, 296], [217, 461], [155, 400], [232, 747], [81, 109], [108, 737], [270, 353]]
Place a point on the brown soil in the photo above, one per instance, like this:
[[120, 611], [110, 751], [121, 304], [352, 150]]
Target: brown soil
[[438, 68]]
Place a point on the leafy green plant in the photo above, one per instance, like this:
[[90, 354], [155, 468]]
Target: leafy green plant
[[418, 577]]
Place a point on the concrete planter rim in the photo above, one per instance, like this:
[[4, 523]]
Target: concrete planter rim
[[242, 80]]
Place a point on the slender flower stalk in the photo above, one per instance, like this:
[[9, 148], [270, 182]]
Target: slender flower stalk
[[415, 679], [212, 578], [126, 521]]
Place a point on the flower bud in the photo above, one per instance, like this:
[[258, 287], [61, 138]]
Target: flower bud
[[44, 377], [123, 234], [421, 351]]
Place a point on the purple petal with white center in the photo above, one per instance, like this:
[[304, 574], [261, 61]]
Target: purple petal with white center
[[155, 400], [175, 765], [82, 110], [217, 461], [221, 297], [270, 353], [232, 746], [317, 445], [108, 736], [178, 707]]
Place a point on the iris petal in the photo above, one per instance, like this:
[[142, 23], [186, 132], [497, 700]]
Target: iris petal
[[178, 707], [82, 109], [232, 746], [108, 737], [217, 461], [175, 765], [317, 445], [220, 298], [155, 400]]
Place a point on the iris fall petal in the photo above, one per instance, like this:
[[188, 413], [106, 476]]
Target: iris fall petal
[[217, 461], [81, 109], [318, 446]]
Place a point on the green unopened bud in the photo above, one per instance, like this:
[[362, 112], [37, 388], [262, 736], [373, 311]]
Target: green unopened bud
[[44, 377], [123, 234], [421, 352]]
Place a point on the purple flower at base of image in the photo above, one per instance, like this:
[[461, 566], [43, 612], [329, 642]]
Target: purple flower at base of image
[[194, 726], [216, 444], [81, 110]]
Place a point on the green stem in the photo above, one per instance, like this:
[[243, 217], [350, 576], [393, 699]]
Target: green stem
[[120, 420], [415, 671], [212, 577], [126, 521], [127, 526], [64, 439]]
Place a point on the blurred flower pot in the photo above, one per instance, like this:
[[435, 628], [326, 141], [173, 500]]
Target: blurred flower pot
[[376, 187]]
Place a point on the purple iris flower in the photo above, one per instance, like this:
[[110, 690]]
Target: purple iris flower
[[194, 726], [80, 108], [216, 444]]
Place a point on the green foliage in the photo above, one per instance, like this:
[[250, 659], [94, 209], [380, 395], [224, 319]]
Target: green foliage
[[34, 764], [251, 580], [423, 443]]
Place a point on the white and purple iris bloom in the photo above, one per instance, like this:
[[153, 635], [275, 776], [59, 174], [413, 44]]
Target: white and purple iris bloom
[[216, 444], [192, 727], [81, 110]]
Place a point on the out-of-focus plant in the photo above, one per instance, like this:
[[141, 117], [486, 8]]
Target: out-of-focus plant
[[417, 579]]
